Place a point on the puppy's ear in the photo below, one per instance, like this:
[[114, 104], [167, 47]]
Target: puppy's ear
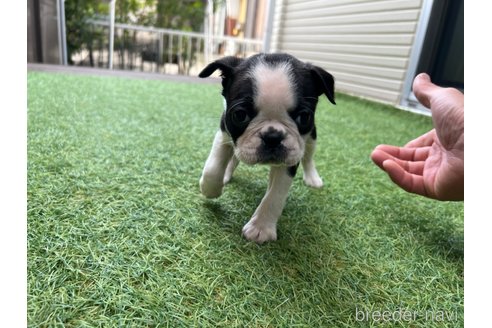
[[226, 65], [324, 81]]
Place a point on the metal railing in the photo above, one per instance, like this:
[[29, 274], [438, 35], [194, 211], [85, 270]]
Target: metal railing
[[160, 50]]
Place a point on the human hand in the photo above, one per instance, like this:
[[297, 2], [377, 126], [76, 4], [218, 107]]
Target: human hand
[[433, 164]]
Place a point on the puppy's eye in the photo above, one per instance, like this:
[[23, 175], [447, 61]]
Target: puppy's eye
[[304, 118], [240, 116]]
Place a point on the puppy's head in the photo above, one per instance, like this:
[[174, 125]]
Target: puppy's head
[[270, 105]]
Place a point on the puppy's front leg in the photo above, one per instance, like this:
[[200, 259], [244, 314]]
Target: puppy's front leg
[[233, 163], [263, 225], [311, 176], [212, 179]]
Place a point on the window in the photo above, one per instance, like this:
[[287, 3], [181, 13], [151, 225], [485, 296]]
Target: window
[[439, 48]]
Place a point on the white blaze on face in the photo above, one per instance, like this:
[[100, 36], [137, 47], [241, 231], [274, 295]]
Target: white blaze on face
[[274, 88], [274, 96]]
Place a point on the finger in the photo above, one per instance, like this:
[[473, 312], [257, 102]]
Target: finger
[[409, 182], [413, 167], [403, 153], [423, 141], [379, 156], [424, 89]]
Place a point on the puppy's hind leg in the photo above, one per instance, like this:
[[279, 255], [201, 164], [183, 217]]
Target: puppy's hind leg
[[212, 179], [233, 163], [310, 176]]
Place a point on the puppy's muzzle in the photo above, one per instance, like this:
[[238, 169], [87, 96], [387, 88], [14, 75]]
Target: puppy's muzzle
[[272, 138], [271, 150]]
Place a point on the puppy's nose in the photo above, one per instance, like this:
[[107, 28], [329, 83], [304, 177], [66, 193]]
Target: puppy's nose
[[272, 138]]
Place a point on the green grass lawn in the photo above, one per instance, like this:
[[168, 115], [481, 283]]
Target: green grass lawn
[[119, 235]]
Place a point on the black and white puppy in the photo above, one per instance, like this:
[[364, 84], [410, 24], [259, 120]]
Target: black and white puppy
[[270, 102]]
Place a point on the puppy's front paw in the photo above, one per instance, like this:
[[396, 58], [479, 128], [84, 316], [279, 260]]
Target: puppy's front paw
[[210, 186], [227, 177], [313, 180], [260, 232]]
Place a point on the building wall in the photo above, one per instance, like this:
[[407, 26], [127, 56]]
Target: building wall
[[366, 45], [42, 32]]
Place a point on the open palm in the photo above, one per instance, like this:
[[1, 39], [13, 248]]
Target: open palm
[[423, 166], [433, 164]]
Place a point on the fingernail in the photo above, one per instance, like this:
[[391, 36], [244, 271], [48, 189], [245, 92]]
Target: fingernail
[[424, 76]]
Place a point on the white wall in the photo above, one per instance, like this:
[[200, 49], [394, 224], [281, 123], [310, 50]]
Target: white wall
[[366, 45]]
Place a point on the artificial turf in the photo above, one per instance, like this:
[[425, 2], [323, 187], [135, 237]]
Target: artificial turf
[[119, 235]]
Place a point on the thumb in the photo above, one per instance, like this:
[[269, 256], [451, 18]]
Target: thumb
[[423, 89]]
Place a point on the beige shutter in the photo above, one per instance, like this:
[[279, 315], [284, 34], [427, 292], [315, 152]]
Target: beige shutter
[[366, 45]]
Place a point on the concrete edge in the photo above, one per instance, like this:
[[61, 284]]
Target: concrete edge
[[32, 67]]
